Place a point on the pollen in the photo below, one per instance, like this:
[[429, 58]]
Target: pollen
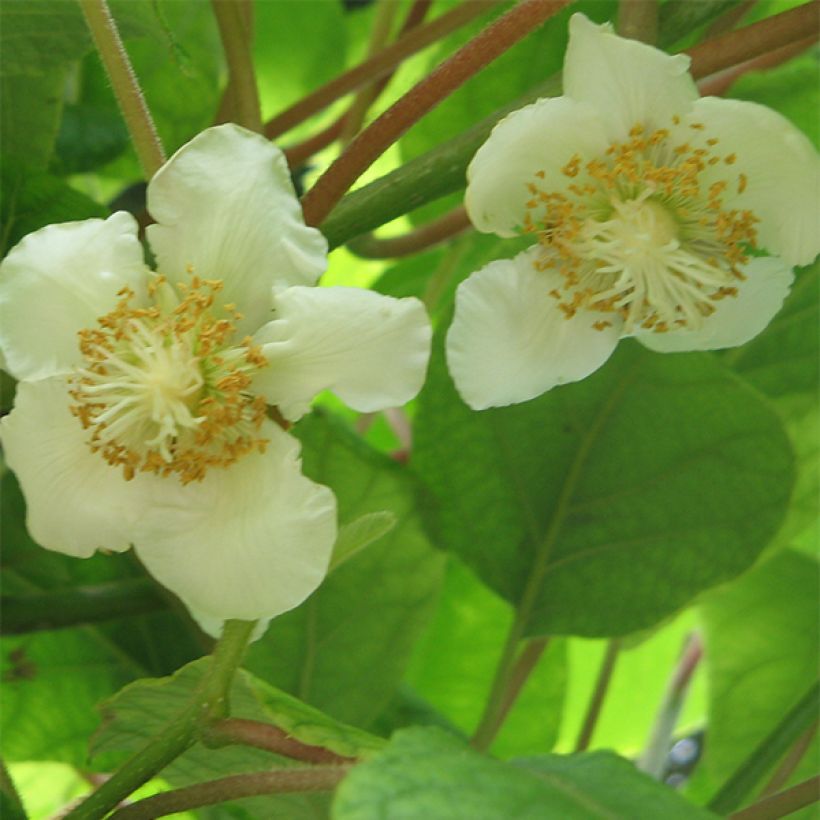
[[165, 388], [644, 231]]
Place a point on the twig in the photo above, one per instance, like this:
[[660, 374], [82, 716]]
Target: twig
[[489, 44], [598, 694]]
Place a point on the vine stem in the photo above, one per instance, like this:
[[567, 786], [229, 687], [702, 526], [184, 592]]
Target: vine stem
[[596, 702], [770, 750], [117, 65], [638, 20], [276, 781], [232, 22], [208, 703], [783, 803], [270, 738], [489, 44], [377, 66]]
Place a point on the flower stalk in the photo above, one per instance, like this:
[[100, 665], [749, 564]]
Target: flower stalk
[[124, 82], [371, 143], [209, 702], [638, 20]]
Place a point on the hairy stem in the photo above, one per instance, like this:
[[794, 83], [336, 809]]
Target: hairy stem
[[596, 702], [124, 82], [233, 23], [378, 65], [446, 78], [209, 702], [638, 20], [770, 750], [783, 803], [270, 738], [278, 781], [437, 230]]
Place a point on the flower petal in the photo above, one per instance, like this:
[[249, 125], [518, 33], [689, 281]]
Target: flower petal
[[509, 341], [626, 82], [781, 170], [59, 280], [529, 146], [76, 502], [226, 209], [250, 541], [371, 350], [737, 319]]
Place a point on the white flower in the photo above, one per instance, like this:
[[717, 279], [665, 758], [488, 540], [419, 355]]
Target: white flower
[[140, 416], [646, 204]]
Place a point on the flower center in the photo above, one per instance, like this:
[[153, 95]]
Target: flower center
[[164, 389], [643, 232]]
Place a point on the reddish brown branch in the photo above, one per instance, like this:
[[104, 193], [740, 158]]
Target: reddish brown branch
[[750, 42], [271, 739], [489, 44], [378, 65], [437, 230]]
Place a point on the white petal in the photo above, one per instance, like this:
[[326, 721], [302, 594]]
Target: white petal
[[59, 280], [737, 319], [540, 138], [370, 350], [782, 171], [250, 541], [226, 208], [627, 82], [509, 342], [76, 502]]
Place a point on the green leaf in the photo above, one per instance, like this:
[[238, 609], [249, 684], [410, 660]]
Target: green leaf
[[428, 773], [625, 481], [359, 534], [141, 710], [762, 638], [453, 667], [33, 199], [369, 612]]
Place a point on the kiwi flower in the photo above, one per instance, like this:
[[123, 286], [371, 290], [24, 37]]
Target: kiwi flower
[[142, 412], [654, 213]]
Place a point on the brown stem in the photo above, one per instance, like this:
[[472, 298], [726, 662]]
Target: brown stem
[[278, 781], [751, 41], [297, 154], [638, 20], [718, 84], [270, 738], [599, 693], [378, 65], [235, 34], [783, 803], [437, 230], [489, 44], [790, 762], [729, 19]]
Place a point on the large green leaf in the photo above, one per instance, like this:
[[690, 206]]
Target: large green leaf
[[369, 612], [428, 773], [762, 639], [453, 667], [660, 475]]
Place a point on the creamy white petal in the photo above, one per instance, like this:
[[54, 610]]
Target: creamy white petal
[[226, 209], [541, 139], [59, 280], [370, 350], [781, 169], [627, 82], [250, 541], [737, 319], [76, 502], [509, 342]]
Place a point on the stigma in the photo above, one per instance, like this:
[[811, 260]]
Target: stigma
[[165, 388], [643, 231]]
